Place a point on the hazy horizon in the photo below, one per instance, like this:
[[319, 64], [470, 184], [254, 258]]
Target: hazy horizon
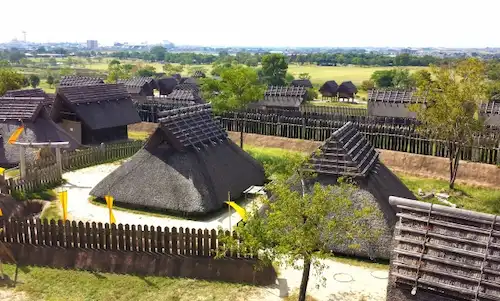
[[222, 23]]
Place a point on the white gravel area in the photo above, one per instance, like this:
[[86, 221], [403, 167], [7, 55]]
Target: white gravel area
[[343, 281]]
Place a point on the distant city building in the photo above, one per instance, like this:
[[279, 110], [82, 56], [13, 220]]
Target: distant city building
[[92, 44]]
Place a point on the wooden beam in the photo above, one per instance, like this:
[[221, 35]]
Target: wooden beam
[[43, 144], [22, 161]]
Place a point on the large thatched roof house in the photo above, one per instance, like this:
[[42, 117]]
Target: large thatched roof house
[[347, 153], [347, 90], [187, 166], [32, 93], [282, 97], [329, 89], [95, 114], [140, 86], [80, 81], [392, 103], [166, 85], [38, 127], [443, 254], [491, 113]]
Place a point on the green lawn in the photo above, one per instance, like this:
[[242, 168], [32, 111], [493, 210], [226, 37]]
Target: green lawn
[[52, 284]]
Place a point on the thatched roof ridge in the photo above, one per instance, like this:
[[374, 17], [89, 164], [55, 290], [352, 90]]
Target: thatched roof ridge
[[30, 93], [166, 85], [346, 153], [330, 87], [393, 96], [347, 87], [188, 87], [298, 91], [282, 96], [80, 81], [302, 83], [490, 108], [444, 253], [100, 106], [185, 95], [198, 74], [20, 108]]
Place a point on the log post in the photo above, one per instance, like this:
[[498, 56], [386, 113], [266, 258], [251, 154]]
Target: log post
[[22, 162]]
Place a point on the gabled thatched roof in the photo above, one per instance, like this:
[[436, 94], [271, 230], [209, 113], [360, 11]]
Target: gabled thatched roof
[[187, 86], [444, 253], [185, 95], [393, 96], [302, 83], [20, 108], [166, 85], [288, 97], [347, 87], [139, 85], [490, 108], [346, 153], [99, 106], [188, 166], [330, 87], [33, 93], [80, 81]]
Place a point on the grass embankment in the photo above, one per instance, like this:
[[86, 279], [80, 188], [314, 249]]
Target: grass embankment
[[51, 284]]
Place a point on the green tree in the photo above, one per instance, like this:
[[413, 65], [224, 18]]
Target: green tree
[[367, 85], [422, 77], [171, 69], [146, 71], [117, 71], [383, 78], [402, 60], [312, 94], [451, 114], [10, 80], [402, 79], [274, 69], [34, 80], [238, 86], [158, 53], [493, 90], [50, 80], [65, 71], [301, 223], [304, 76]]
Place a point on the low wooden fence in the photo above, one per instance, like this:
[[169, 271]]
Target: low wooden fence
[[175, 252], [45, 173], [401, 138]]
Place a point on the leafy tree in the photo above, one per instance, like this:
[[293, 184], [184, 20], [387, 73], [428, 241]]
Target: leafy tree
[[146, 71], [65, 71], [383, 78], [289, 78], [402, 60], [312, 94], [493, 90], [10, 80], [171, 69], [453, 99], [422, 77], [238, 86], [158, 53], [4, 64], [493, 70], [274, 69], [304, 76], [15, 56], [117, 71], [52, 61], [34, 80], [402, 79], [301, 223], [41, 49], [50, 80], [367, 85]]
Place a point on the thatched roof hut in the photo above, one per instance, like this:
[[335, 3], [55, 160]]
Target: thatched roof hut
[[32, 93], [329, 89], [95, 114], [185, 95], [80, 81], [166, 85], [282, 97], [392, 103], [347, 153], [491, 113], [141, 86], [198, 74], [301, 83], [38, 127], [442, 254], [347, 90], [187, 166]]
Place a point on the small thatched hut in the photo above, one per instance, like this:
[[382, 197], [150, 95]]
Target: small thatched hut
[[95, 114], [491, 113], [166, 85], [301, 83], [329, 89], [187, 166], [443, 254], [140, 86], [392, 103], [347, 90], [289, 98], [347, 153], [80, 81], [38, 127]]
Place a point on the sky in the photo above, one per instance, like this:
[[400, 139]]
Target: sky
[[269, 23]]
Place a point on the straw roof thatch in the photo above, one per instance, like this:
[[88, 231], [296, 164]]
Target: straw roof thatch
[[347, 88], [443, 253], [33, 93], [140, 85], [329, 88], [393, 96], [187, 166], [283, 97], [491, 113], [185, 95], [347, 153], [166, 85], [301, 83], [80, 81]]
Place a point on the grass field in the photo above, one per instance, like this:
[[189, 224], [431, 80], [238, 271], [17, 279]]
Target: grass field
[[38, 283]]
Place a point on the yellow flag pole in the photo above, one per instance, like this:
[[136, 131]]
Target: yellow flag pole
[[229, 209]]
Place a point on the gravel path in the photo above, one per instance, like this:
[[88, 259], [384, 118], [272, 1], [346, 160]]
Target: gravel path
[[343, 282]]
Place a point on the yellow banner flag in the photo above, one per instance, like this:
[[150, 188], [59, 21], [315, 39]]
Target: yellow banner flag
[[13, 138], [240, 210], [109, 201], [1, 213], [63, 197]]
